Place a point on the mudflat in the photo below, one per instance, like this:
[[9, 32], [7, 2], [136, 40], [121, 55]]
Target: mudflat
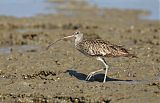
[[31, 74]]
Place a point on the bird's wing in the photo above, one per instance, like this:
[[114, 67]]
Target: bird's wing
[[101, 48]]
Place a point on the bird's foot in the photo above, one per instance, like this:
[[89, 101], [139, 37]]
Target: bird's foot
[[89, 76]]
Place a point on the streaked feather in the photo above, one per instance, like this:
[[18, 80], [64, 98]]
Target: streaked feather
[[101, 48]]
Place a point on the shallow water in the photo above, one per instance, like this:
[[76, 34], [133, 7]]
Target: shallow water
[[5, 51], [153, 6], [29, 8], [24, 8], [20, 49]]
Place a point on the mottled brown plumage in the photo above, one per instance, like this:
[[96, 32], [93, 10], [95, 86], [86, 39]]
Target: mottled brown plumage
[[101, 48], [97, 48]]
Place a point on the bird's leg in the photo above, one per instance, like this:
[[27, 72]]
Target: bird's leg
[[106, 66], [92, 73]]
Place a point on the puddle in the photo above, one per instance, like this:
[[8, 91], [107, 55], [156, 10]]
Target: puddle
[[25, 8], [20, 49], [24, 30], [158, 78], [5, 50], [153, 6]]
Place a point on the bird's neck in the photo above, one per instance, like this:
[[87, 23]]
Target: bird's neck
[[78, 39]]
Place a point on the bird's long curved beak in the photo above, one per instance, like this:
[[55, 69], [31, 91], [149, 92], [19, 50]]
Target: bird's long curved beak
[[59, 40], [68, 36]]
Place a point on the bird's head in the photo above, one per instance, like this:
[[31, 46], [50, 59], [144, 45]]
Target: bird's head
[[77, 35]]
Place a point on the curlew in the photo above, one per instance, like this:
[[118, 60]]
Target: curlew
[[97, 48]]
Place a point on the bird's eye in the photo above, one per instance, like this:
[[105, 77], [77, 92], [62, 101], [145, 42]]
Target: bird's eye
[[77, 33]]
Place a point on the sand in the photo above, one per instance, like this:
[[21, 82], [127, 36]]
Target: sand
[[31, 74]]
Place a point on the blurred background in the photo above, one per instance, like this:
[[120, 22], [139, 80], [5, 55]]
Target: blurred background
[[28, 8]]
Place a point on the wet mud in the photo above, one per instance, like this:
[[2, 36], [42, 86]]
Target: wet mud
[[31, 74]]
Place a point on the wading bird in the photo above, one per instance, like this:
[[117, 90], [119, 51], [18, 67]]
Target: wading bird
[[97, 48]]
